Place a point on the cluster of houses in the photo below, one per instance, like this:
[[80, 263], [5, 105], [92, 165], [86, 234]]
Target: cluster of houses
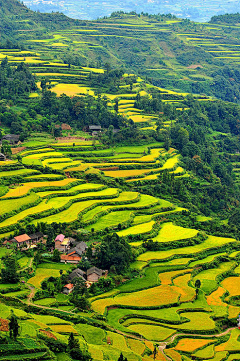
[[72, 250], [25, 241], [91, 276]]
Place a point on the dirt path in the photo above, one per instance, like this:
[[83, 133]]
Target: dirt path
[[163, 345]]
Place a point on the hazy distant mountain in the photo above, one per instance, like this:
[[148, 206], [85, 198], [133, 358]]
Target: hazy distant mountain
[[201, 10]]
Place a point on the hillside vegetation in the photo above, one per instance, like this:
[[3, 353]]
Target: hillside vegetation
[[154, 194]]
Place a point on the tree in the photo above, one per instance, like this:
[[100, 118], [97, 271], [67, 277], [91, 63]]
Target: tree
[[9, 272], [74, 350], [114, 251], [56, 256], [116, 105], [72, 342], [197, 284], [13, 326], [155, 352], [81, 302]]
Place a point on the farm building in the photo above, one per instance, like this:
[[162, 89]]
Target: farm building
[[23, 240], [68, 288], [36, 237], [11, 138], [2, 157], [77, 273], [78, 250], [70, 259], [93, 274], [93, 129], [62, 243]]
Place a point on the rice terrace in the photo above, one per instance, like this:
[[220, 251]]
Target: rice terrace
[[119, 187]]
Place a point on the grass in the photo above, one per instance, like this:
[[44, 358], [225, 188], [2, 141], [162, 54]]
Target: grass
[[197, 321], [28, 212], [110, 220], [152, 332], [45, 301], [187, 293], [209, 243], [232, 285], [118, 341], [26, 187], [208, 259], [206, 353], [169, 233], [136, 346], [10, 205], [5, 311], [93, 335], [191, 344], [78, 188], [138, 229], [127, 173], [17, 172], [157, 296], [232, 344], [71, 89], [40, 275], [208, 277]]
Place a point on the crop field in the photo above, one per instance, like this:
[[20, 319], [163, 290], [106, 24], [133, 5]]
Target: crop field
[[142, 228], [40, 276], [169, 232], [161, 299], [208, 277], [26, 187], [10, 205], [111, 220]]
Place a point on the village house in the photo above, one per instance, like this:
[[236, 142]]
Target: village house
[[93, 274], [62, 243], [23, 240], [68, 288], [93, 129], [11, 138], [64, 258], [36, 237], [77, 273], [79, 249]]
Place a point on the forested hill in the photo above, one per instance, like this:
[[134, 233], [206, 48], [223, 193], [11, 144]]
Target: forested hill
[[188, 57], [15, 15], [231, 19]]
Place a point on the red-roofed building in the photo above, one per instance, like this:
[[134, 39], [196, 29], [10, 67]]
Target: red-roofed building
[[68, 288], [70, 259], [23, 240], [60, 237]]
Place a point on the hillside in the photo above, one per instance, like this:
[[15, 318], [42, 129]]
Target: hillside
[[131, 179], [200, 58]]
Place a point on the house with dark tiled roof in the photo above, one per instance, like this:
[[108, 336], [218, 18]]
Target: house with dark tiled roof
[[94, 273], [77, 273], [36, 237], [11, 138], [79, 249]]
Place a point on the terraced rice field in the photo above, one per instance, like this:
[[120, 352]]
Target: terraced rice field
[[161, 300]]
